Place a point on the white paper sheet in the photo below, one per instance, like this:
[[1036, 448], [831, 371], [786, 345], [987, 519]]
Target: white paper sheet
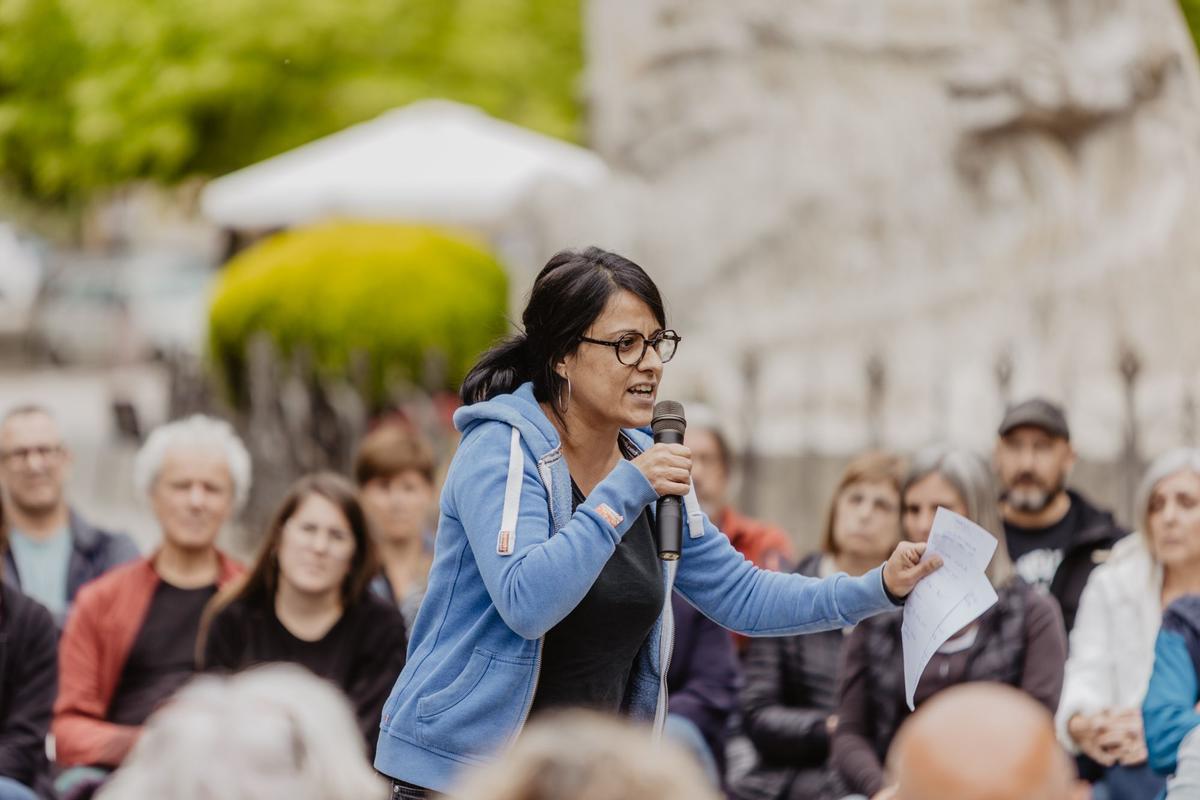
[[951, 598]]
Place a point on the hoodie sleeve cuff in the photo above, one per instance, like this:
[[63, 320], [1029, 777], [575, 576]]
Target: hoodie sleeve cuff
[[895, 600]]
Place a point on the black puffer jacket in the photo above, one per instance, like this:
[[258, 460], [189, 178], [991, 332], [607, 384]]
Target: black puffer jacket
[[1094, 536], [791, 690], [28, 684]]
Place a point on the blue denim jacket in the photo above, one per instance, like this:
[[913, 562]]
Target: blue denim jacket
[[503, 576], [1169, 709]]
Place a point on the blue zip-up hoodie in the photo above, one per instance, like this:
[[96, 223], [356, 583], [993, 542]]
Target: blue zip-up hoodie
[[1169, 710], [512, 560]]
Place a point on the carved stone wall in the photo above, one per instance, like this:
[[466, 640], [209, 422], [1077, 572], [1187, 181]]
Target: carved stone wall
[[873, 223], [893, 215]]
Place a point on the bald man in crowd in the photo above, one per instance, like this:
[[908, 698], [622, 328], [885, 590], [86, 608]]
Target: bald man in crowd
[[981, 741]]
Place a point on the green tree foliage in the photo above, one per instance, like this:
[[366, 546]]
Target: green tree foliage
[[94, 93], [404, 297], [1191, 11]]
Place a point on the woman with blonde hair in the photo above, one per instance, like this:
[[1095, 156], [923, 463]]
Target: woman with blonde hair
[[790, 695], [1019, 641]]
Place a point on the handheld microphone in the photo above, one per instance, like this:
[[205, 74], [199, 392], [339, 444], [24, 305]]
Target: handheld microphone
[[668, 425]]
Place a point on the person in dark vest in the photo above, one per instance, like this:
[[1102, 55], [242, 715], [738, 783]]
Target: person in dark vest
[[52, 550], [1055, 535], [1019, 641], [1169, 710], [790, 698], [702, 687]]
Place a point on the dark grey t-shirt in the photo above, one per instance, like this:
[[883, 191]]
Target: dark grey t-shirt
[[587, 657], [163, 656]]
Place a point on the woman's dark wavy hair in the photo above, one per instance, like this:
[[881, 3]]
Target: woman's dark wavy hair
[[259, 584], [569, 294]]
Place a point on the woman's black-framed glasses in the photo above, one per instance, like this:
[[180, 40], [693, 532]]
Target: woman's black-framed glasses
[[631, 348]]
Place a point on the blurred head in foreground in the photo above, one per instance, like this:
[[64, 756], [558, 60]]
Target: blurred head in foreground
[[579, 755], [271, 733], [981, 741]]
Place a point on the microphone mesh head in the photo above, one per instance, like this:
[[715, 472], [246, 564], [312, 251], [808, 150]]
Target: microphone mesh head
[[668, 416]]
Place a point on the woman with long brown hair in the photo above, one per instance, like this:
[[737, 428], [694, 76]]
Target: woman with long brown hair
[[305, 601]]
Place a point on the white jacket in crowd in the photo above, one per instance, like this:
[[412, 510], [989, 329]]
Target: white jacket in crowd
[[1111, 651]]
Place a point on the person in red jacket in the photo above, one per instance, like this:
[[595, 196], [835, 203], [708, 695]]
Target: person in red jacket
[[130, 639], [764, 544]]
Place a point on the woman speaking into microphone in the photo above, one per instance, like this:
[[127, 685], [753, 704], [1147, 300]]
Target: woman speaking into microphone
[[546, 589]]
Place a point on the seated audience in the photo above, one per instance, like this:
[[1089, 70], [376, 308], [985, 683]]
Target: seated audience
[[28, 678], [129, 642], [702, 685], [1112, 645], [305, 601], [394, 470], [790, 698], [271, 733], [582, 755], [1019, 641], [981, 742], [52, 550]]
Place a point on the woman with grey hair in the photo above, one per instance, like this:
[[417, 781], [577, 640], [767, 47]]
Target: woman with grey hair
[[130, 641], [1019, 641], [271, 733], [1120, 613]]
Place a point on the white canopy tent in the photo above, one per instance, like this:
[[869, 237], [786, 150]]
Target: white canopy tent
[[432, 161]]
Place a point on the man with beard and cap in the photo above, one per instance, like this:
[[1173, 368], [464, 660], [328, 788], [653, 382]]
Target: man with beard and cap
[[981, 741], [1054, 535]]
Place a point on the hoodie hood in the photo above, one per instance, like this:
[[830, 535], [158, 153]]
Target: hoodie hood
[[521, 410]]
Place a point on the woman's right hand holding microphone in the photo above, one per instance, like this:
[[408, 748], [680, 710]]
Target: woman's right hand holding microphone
[[668, 468]]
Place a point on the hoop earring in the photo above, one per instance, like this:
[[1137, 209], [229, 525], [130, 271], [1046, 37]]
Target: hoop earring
[[560, 397]]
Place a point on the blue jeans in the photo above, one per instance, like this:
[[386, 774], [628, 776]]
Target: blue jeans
[[683, 731], [11, 790], [1129, 783]]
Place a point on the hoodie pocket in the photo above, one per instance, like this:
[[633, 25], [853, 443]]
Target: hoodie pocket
[[478, 712]]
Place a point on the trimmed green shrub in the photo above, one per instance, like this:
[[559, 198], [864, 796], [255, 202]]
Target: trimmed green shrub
[[403, 296]]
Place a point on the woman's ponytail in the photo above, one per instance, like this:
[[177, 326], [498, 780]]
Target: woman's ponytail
[[498, 371]]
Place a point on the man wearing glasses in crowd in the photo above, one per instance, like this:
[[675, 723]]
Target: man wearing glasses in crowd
[[51, 551]]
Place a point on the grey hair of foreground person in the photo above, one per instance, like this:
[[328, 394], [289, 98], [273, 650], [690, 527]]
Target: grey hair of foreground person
[[582, 755], [1180, 459], [197, 432], [275, 732], [973, 480]]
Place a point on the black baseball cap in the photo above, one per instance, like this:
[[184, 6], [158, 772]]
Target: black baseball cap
[[1036, 412]]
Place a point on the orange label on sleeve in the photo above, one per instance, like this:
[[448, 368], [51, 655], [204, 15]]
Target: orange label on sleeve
[[608, 515]]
